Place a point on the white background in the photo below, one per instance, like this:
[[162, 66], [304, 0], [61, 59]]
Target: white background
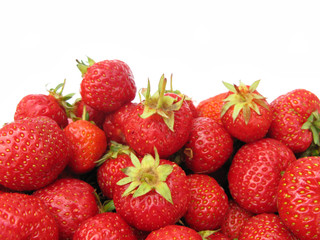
[[201, 43]]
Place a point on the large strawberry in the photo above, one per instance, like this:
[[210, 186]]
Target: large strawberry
[[154, 194], [176, 232], [25, 217], [33, 152], [296, 120], [106, 85], [299, 198], [246, 114], [255, 173], [209, 146], [71, 201], [162, 120]]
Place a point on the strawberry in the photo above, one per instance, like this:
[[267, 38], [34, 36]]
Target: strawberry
[[299, 199], [209, 146], [108, 225], [215, 235], [154, 194], [296, 119], [176, 232], [53, 105], [255, 173], [25, 217], [106, 85], [162, 121], [33, 152], [212, 107], [71, 201], [208, 204], [265, 226], [246, 114]]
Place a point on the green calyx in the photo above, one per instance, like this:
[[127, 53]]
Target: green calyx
[[146, 176], [313, 124], [243, 98], [160, 104], [84, 67]]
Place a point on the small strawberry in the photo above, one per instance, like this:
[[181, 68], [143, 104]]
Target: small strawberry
[[154, 194], [106, 85], [208, 203], [108, 225], [33, 152], [209, 146], [175, 232], [246, 114], [255, 173], [299, 198], [25, 217], [71, 201]]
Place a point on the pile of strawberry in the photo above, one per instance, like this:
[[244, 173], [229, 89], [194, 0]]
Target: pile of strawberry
[[106, 167]]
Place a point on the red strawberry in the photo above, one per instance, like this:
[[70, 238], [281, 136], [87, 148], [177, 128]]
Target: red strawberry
[[296, 119], [103, 226], [175, 232], [71, 201], [33, 152], [255, 173], [154, 194], [246, 114], [162, 121], [53, 105], [106, 85], [209, 146], [216, 235], [299, 198], [208, 204], [265, 226], [25, 217]]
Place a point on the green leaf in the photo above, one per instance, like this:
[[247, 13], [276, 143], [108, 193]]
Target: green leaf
[[135, 160], [147, 161], [254, 86], [124, 181], [164, 171], [229, 86], [163, 189], [143, 189], [237, 108], [170, 121], [130, 189]]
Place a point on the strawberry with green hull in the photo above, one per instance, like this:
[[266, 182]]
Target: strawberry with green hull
[[246, 114], [176, 232], [299, 198], [154, 194]]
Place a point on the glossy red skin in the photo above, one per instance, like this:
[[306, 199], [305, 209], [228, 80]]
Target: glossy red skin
[[108, 225], [143, 134], [33, 152], [25, 217], [88, 143], [256, 129], [35, 105], [71, 201], [107, 85], [176, 232], [265, 226], [234, 220], [255, 173], [218, 236], [211, 146], [109, 173], [292, 111], [299, 198], [208, 203], [151, 211]]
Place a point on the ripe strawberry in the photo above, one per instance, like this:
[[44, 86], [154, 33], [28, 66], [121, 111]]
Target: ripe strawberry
[[33, 152], [299, 198], [209, 146], [215, 235], [176, 232], [255, 173], [25, 217], [162, 121], [212, 107], [71, 201], [265, 226], [295, 119], [246, 114], [106, 85], [53, 105], [208, 204], [103, 226], [154, 194]]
